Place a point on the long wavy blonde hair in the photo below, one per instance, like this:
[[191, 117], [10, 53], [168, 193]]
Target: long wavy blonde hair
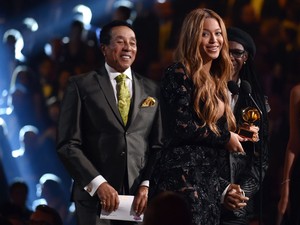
[[209, 87]]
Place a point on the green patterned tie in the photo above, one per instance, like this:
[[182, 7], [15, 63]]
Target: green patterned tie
[[123, 95]]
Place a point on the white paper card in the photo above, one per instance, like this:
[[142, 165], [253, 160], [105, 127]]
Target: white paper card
[[124, 212]]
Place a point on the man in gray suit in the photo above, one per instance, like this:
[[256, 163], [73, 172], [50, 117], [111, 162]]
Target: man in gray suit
[[105, 154]]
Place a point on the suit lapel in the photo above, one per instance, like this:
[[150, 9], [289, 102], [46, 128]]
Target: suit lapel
[[105, 85], [139, 94]]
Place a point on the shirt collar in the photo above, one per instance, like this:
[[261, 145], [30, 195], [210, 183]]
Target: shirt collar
[[113, 73]]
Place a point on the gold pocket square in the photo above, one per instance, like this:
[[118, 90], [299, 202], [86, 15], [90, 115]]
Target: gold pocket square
[[149, 101]]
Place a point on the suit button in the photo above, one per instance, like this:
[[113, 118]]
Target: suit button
[[122, 153]]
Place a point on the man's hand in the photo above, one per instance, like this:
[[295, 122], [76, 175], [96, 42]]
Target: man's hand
[[109, 198], [140, 200], [235, 198]]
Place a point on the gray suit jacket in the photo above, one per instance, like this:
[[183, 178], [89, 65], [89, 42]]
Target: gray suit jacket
[[93, 140]]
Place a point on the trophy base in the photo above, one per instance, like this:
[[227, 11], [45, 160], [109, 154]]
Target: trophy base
[[245, 133]]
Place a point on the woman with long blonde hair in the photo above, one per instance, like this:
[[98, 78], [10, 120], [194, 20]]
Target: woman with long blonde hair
[[199, 119]]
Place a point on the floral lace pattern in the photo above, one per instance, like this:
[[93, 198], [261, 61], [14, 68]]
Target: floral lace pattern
[[189, 164]]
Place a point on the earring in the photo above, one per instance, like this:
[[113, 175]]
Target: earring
[[245, 62]]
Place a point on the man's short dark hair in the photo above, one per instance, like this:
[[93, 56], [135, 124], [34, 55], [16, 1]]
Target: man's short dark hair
[[105, 34]]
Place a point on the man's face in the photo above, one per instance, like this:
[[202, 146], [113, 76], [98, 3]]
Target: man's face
[[121, 51], [238, 57]]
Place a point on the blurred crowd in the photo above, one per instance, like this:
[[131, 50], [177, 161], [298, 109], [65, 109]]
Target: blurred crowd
[[43, 43]]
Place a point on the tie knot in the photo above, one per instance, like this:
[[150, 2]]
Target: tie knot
[[121, 78]]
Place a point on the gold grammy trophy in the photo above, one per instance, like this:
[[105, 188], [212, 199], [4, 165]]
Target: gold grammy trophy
[[249, 115]]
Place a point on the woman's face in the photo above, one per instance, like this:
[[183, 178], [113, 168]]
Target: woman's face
[[212, 40], [238, 57]]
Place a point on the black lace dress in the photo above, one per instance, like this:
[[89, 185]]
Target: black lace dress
[[189, 163]]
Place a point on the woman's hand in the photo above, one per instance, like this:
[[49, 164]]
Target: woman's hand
[[234, 144]]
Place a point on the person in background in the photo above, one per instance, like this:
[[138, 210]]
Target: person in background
[[168, 208], [200, 122], [5, 157], [50, 191], [4, 221], [16, 209], [288, 204], [110, 130], [247, 171], [123, 12], [45, 214]]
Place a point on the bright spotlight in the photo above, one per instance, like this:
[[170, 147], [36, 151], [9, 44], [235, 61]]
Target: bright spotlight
[[125, 3], [27, 128], [83, 14], [31, 24], [49, 176], [19, 42]]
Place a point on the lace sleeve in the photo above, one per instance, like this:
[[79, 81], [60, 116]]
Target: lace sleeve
[[186, 126]]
